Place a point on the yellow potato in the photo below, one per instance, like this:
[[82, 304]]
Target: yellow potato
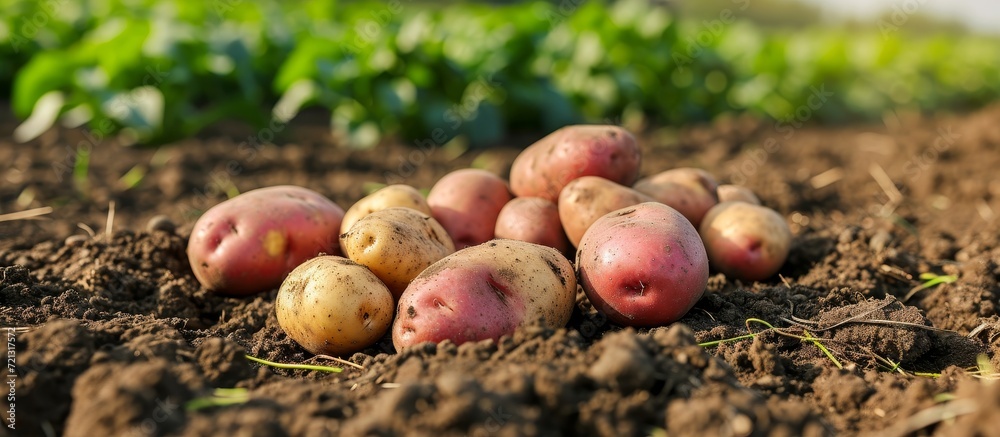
[[728, 192], [692, 191], [331, 305], [391, 196], [589, 198], [396, 244]]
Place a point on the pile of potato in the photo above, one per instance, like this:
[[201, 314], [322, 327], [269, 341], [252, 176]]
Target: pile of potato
[[479, 257]]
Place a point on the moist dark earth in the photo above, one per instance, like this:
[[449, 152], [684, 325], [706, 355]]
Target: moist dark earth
[[118, 337]]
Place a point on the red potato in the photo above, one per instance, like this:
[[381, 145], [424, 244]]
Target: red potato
[[589, 198], [467, 202], [485, 292], [643, 265], [746, 241], [691, 191], [534, 220], [544, 168], [249, 243], [739, 193]]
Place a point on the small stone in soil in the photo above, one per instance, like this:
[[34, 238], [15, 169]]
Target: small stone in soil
[[161, 223]]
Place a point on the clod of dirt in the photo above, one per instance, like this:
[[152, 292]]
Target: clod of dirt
[[741, 413], [132, 273], [623, 364], [249, 420], [978, 402], [842, 390], [17, 289], [145, 398], [54, 355], [222, 362], [759, 364], [867, 400], [947, 303], [885, 328]]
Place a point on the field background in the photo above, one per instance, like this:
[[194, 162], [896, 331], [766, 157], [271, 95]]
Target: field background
[[477, 72]]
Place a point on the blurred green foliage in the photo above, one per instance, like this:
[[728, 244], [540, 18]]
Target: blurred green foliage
[[166, 69]]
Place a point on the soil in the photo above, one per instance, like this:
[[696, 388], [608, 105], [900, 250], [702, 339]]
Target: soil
[[117, 337]]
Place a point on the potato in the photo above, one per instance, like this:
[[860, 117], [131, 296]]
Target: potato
[[486, 291], [589, 198], [248, 244], [467, 202], [534, 220], [730, 192], [544, 168], [746, 241], [643, 265], [396, 244], [691, 191], [332, 305], [390, 196]]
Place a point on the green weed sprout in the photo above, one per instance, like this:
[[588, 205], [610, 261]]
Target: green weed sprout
[[329, 369], [220, 397]]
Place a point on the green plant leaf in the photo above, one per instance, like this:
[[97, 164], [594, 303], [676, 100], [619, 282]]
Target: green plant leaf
[[43, 116], [140, 109], [45, 72]]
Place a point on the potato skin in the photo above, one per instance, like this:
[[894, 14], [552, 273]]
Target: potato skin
[[396, 244], [247, 244], [534, 220], [467, 202], [643, 265], [746, 241], [331, 305], [545, 167], [729, 192], [589, 198], [692, 191], [486, 291], [390, 196]]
